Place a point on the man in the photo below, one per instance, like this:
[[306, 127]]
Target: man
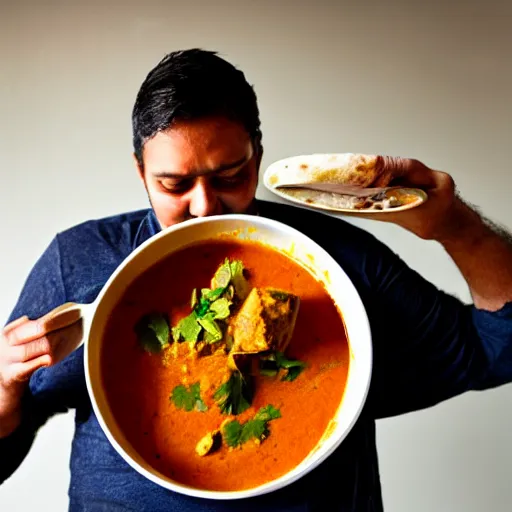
[[197, 149]]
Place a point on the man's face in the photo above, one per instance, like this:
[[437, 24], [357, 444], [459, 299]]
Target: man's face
[[198, 168]]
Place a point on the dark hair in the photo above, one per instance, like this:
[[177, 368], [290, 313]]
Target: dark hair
[[192, 84]]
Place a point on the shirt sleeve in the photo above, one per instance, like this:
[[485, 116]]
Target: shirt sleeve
[[43, 290], [428, 345]]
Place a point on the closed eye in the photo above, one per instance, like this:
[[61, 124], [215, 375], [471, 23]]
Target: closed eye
[[176, 187], [230, 179]]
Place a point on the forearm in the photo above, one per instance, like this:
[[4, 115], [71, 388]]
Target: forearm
[[483, 254], [11, 407], [13, 450], [15, 445], [9, 423]]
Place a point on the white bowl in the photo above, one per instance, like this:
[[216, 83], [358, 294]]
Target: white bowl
[[280, 237]]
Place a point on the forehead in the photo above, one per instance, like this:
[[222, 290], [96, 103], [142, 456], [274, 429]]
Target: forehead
[[196, 144]]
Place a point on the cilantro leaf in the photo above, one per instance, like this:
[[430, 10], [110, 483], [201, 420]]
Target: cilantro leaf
[[193, 298], [256, 429], [212, 306], [267, 413], [213, 295], [232, 432], [235, 433], [176, 333], [294, 367], [238, 280], [153, 332], [230, 292], [182, 398], [220, 308], [292, 373], [235, 395], [189, 328], [222, 276], [202, 307], [282, 362], [211, 338], [211, 327], [200, 405], [268, 366], [271, 364], [188, 399]]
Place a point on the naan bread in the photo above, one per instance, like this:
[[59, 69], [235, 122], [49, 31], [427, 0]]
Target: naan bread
[[352, 169], [380, 202], [356, 174]]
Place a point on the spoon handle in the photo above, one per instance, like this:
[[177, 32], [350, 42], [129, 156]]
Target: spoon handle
[[337, 188]]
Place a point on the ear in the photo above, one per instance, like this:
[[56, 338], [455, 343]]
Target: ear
[[258, 147], [259, 156], [138, 166]]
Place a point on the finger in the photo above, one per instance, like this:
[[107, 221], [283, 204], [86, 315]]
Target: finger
[[406, 171], [22, 371], [31, 350], [60, 317], [25, 332], [66, 340], [15, 323]]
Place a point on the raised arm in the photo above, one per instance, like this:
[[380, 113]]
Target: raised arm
[[481, 250], [26, 403], [483, 253], [442, 347]]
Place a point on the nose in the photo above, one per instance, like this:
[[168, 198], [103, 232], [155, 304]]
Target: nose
[[203, 201]]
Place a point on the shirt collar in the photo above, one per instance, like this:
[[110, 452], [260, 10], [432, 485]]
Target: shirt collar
[[148, 228]]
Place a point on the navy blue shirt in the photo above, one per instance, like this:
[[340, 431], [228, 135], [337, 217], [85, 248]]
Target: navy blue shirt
[[443, 348]]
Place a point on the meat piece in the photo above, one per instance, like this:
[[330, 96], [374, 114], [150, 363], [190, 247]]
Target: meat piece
[[209, 443], [265, 321]]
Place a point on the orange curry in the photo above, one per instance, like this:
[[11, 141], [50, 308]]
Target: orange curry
[[149, 392]]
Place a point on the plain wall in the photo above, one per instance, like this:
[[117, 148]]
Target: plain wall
[[422, 79]]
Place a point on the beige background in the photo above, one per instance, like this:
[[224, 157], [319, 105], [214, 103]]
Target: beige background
[[417, 79]]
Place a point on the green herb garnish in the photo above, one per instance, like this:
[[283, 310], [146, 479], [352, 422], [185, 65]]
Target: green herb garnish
[[235, 395], [283, 362], [202, 307], [212, 295], [238, 280], [220, 308], [188, 399], [222, 276], [232, 433], [153, 332], [213, 332], [193, 299], [292, 373], [236, 433], [212, 306], [188, 328], [270, 366]]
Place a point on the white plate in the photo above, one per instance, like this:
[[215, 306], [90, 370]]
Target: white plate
[[276, 174]]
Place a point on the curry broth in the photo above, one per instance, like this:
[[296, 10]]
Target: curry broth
[[138, 384]]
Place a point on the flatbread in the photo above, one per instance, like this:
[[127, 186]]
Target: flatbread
[[354, 172], [384, 201], [343, 168]]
